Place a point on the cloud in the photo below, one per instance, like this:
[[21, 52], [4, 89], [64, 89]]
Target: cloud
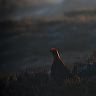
[[19, 8], [43, 1], [54, 1], [79, 4]]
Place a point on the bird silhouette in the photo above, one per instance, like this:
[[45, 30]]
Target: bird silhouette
[[59, 71]]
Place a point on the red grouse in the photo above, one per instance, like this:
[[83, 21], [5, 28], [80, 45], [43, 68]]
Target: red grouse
[[58, 70]]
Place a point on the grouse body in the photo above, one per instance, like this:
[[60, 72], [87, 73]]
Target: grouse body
[[58, 70]]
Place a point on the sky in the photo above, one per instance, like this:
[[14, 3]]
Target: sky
[[21, 8]]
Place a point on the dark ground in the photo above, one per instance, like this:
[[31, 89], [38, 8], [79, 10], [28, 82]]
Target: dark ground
[[40, 84]]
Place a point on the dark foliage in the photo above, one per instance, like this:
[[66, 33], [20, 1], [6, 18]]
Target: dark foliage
[[40, 84]]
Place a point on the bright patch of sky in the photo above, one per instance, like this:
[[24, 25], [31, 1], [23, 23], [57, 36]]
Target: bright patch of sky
[[48, 7]]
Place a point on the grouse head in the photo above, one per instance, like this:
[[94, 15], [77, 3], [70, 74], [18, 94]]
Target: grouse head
[[55, 53]]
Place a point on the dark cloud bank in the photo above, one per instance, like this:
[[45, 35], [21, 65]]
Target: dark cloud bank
[[27, 48], [20, 8]]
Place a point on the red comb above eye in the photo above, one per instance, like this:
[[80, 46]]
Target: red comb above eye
[[54, 49]]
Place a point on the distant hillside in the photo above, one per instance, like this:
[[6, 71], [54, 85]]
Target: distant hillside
[[73, 16], [81, 16], [81, 12]]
